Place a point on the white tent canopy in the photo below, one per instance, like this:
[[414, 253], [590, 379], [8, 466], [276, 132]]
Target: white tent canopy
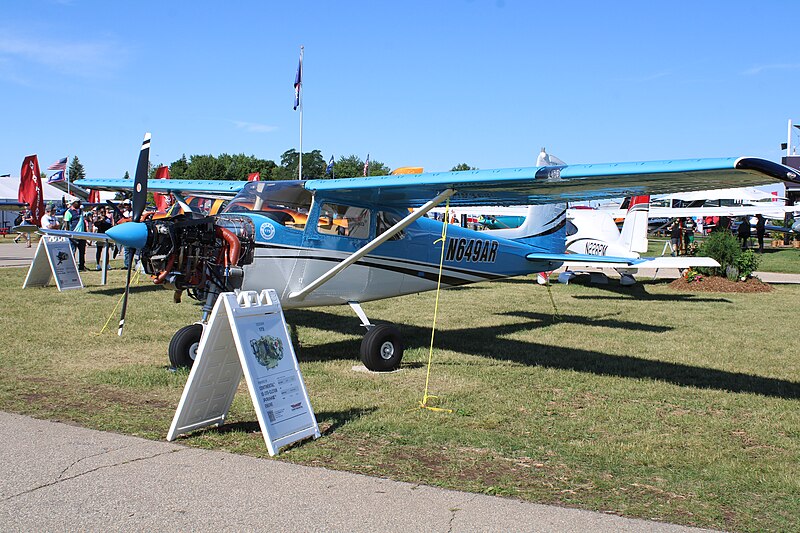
[[9, 190]]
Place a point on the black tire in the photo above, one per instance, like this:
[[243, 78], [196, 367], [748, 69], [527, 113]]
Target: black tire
[[183, 346], [382, 348]]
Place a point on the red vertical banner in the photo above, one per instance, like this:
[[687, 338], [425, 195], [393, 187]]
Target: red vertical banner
[[254, 176], [163, 201], [94, 196], [30, 187]]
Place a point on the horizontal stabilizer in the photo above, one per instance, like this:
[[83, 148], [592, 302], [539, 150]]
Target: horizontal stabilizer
[[685, 261], [582, 258]]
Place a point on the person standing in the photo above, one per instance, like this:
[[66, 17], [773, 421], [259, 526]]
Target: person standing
[[102, 221], [688, 235], [675, 237], [743, 232], [73, 221], [760, 223]]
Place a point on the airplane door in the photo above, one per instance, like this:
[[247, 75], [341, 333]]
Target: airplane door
[[333, 232]]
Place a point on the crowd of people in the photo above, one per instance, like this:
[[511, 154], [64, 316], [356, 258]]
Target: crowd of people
[[682, 231], [96, 220]]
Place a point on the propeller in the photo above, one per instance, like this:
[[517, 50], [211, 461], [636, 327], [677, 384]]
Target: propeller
[[132, 234], [116, 209]]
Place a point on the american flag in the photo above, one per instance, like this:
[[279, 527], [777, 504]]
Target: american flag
[[61, 164], [56, 176], [366, 166], [298, 83], [329, 168]]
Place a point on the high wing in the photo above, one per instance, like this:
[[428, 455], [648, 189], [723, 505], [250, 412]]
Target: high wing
[[543, 185], [511, 186], [204, 188]]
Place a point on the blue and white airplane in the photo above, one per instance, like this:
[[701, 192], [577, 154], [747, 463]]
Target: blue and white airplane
[[353, 240]]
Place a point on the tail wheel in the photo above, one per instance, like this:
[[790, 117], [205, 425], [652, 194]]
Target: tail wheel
[[183, 346], [382, 348]]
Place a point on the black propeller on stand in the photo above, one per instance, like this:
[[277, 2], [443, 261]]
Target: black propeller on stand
[[139, 201]]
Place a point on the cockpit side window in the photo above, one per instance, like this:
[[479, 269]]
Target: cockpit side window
[[385, 220], [345, 220], [287, 203]]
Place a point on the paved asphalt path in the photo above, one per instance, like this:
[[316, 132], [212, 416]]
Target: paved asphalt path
[[16, 255], [58, 477]]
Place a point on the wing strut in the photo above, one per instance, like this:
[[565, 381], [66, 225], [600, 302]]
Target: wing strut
[[383, 237]]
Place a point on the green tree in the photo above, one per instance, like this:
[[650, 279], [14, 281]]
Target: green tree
[[205, 167], [352, 166], [76, 170], [178, 169], [313, 165], [126, 176], [462, 166]]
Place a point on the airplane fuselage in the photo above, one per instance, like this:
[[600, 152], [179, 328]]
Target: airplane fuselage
[[286, 260]]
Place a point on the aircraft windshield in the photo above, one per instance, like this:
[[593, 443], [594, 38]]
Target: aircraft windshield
[[287, 203]]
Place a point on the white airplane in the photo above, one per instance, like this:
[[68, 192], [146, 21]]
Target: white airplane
[[595, 232], [353, 240]]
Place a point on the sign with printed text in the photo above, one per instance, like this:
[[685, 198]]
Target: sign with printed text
[[53, 259], [247, 335]]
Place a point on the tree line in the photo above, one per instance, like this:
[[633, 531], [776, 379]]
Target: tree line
[[239, 166]]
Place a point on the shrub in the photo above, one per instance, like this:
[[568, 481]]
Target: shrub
[[747, 263], [722, 246]]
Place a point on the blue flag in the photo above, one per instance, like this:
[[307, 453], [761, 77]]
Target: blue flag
[[298, 83], [56, 176], [329, 168]]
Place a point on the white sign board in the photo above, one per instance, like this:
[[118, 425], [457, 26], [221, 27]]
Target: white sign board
[[247, 333], [53, 259]]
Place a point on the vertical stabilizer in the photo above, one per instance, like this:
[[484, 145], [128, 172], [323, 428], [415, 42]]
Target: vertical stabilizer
[[544, 227], [633, 236]]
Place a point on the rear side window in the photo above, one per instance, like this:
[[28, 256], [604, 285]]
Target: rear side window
[[344, 220]]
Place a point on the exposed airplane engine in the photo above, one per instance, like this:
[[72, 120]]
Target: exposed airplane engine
[[200, 255]]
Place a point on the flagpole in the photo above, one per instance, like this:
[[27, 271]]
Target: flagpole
[[66, 174], [300, 166]]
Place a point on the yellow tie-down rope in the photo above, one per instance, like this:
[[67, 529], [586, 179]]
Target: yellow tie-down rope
[[134, 279], [424, 403]]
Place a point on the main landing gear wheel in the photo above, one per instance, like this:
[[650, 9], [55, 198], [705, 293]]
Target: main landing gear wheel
[[382, 348], [183, 346]]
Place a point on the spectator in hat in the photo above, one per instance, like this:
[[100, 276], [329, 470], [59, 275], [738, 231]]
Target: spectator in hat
[[49, 219]]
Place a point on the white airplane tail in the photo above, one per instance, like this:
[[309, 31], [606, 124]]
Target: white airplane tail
[[633, 236]]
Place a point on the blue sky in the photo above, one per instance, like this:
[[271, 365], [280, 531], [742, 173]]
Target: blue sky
[[423, 83]]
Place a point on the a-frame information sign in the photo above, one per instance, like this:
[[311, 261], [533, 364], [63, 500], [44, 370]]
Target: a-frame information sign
[[247, 333], [53, 259]]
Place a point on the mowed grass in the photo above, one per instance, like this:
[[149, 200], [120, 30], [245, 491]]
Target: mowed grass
[[637, 401]]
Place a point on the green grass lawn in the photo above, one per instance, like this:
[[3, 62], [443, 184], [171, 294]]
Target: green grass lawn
[[637, 401]]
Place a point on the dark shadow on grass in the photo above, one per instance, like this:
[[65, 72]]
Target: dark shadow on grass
[[639, 292], [336, 419], [492, 342], [135, 289]]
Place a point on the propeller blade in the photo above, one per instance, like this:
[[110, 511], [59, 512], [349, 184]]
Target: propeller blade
[[139, 201], [116, 209], [125, 296], [140, 181]]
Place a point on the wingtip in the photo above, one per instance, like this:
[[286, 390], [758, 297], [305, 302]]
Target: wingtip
[[770, 168]]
